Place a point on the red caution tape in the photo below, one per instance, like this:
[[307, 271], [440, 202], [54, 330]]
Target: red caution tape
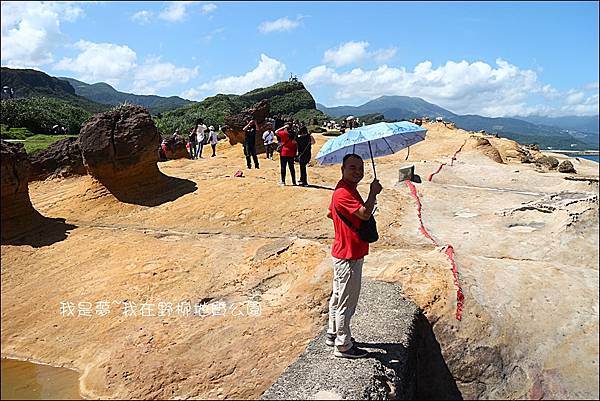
[[459, 294], [449, 251], [443, 164], [457, 152], [437, 171]]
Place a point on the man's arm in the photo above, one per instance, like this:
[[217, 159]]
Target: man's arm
[[329, 214], [365, 212]]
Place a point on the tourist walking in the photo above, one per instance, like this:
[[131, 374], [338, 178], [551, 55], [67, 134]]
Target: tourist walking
[[269, 141], [214, 139], [250, 142], [348, 251], [288, 148], [200, 137], [305, 141]]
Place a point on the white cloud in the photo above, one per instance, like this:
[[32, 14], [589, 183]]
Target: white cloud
[[31, 31], [356, 52], [105, 62], [383, 55], [208, 8], [116, 65], [176, 11], [268, 72], [279, 25], [191, 94], [154, 75], [462, 87], [142, 17], [346, 53]]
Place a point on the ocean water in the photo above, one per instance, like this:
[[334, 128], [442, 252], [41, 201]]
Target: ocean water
[[589, 157]]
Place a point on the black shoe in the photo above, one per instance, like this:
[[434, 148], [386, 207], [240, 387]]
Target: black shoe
[[352, 353]]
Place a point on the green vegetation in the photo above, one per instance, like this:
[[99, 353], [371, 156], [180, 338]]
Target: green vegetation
[[37, 142], [287, 98], [316, 129], [31, 83], [40, 114], [14, 133], [333, 132]]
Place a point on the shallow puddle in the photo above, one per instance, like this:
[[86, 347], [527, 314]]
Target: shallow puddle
[[26, 380]]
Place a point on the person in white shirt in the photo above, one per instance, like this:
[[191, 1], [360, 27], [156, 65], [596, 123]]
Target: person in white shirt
[[200, 129], [212, 136], [269, 141]]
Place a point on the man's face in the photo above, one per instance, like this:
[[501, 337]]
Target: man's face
[[353, 170]]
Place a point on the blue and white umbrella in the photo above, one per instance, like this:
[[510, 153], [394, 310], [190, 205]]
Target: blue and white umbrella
[[373, 140]]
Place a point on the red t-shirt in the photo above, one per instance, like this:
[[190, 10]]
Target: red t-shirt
[[346, 243], [290, 148]]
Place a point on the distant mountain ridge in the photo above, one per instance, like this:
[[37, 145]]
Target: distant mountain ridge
[[104, 93], [28, 83], [533, 131]]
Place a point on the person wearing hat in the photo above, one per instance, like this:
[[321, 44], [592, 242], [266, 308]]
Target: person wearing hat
[[212, 135]]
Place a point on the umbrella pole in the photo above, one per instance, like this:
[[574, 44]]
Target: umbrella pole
[[372, 161]]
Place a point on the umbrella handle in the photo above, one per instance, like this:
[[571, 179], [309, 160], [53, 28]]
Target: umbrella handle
[[372, 161]]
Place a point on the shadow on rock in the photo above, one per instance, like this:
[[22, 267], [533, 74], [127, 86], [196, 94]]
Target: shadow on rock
[[434, 380], [45, 231], [319, 187], [153, 192]]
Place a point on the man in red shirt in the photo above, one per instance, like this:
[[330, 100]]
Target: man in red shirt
[[348, 252]]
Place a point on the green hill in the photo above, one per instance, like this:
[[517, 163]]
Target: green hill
[[106, 94], [286, 98], [28, 83]]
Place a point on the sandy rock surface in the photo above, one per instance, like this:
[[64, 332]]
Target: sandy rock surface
[[526, 247]]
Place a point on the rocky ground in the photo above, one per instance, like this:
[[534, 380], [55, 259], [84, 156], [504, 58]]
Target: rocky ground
[[526, 243]]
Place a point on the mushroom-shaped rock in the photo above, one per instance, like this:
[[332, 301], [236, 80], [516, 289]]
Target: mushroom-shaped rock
[[18, 214], [234, 124], [120, 150], [60, 158], [566, 167]]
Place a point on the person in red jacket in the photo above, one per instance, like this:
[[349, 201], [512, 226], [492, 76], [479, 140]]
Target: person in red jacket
[[348, 251], [289, 149]]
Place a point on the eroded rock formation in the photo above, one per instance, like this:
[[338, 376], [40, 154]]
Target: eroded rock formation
[[18, 214], [120, 150], [484, 146], [61, 158], [176, 148], [234, 125], [566, 167]]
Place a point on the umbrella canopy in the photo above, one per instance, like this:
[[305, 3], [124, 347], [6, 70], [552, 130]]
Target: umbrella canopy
[[374, 140], [349, 118]]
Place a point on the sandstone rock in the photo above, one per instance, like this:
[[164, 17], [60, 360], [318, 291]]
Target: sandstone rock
[[120, 150], [566, 167], [548, 162], [176, 148], [61, 158], [234, 125], [18, 214], [484, 146]]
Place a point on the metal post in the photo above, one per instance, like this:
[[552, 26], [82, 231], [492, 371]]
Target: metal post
[[372, 161]]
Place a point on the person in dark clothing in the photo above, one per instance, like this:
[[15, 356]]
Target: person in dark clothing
[[305, 141], [192, 144], [250, 142], [278, 123]]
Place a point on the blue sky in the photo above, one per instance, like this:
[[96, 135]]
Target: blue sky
[[488, 58]]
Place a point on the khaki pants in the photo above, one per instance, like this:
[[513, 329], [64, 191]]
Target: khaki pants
[[347, 276]]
